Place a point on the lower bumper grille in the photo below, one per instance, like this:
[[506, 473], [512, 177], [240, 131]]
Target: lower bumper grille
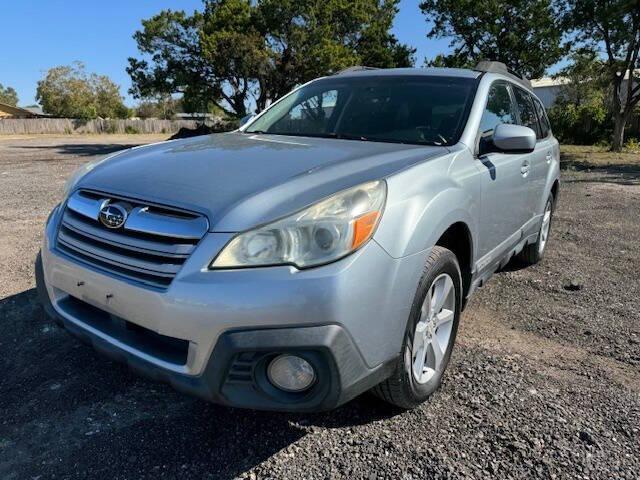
[[150, 247], [168, 349]]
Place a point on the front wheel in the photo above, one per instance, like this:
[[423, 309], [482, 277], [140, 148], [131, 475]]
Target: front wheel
[[430, 334]]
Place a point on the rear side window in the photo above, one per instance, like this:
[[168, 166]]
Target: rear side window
[[499, 109], [527, 112], [545, 127]]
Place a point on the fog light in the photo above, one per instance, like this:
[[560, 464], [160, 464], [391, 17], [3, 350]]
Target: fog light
[[291, 373]]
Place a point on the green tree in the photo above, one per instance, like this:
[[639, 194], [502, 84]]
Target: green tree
[[309, 38], [68, 91], [234, 49], [581, 111], [160, 106], [523, 34], [377, 47], [175, 63], [65, 92], [236, 53], [8, 96], [612, 26], [107, 98]]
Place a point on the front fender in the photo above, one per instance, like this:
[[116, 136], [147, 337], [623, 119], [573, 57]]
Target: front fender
[[424, 201]]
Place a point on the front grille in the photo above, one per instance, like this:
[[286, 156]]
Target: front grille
[[150, 248]]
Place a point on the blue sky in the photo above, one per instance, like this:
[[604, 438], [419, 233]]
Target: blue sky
[[48, 33]]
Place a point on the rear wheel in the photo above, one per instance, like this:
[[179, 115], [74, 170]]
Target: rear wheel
[[430, 333], [533, 253]]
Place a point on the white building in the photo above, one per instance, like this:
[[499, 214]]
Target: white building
[[547, 88]]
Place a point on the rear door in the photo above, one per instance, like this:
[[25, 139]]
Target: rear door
[[547, 144], [505, 190], [537, 162]]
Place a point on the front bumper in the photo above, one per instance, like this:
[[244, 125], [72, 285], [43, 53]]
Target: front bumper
[[347, 319]]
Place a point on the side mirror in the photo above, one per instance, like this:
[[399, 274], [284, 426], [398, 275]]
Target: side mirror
[[514, 138], [244, 120]]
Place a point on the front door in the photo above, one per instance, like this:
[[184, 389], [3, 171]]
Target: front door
[[506, 190]]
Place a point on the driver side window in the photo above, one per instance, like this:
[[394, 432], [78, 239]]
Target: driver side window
[[499, 110], [312, 115]]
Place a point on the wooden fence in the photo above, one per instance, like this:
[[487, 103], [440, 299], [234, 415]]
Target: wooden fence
[[18, 126]]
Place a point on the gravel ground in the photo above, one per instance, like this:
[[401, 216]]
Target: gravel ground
[[544, 381]]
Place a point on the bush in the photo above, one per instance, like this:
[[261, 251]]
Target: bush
[[632, 145], [131, 130], [581, 114], [585, 124]]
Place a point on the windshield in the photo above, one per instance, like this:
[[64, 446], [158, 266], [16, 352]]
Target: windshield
[[402, 109]]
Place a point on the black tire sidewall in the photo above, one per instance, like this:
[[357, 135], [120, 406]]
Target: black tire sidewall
[[446, 263]]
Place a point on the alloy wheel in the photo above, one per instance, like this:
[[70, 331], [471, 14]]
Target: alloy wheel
[[433, 330], [544, 228]]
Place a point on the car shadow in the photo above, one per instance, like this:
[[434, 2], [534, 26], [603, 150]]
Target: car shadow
[[79, 149], [514, 265], [69, 412], [618, 173]]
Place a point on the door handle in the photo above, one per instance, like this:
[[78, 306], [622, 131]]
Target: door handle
[[525, 168], [549, 157]]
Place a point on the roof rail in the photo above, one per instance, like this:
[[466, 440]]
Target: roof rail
[[355, 68], [499, 67]]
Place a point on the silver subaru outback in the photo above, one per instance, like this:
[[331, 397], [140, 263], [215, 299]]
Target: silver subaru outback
[[324, 249]]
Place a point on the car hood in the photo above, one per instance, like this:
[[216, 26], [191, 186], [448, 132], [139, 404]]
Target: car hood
[[241, 180]]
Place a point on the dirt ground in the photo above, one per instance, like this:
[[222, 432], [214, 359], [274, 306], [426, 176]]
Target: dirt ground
[[544, 380]]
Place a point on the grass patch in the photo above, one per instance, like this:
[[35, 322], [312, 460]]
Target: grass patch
[[582, 156]]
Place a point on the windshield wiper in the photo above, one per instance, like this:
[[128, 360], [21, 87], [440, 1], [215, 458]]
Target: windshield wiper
[[291, 134], [346, 136], [342, 136], [259, 132]]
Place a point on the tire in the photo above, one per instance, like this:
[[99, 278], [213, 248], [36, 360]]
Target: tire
[[404, 388], [534, 252]]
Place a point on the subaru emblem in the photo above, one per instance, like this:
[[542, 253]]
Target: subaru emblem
[[113, 215]]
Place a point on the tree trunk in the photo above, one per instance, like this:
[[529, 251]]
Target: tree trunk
[[238, 105], [617, 142]]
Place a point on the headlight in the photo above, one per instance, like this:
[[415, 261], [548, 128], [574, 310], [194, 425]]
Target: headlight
[[322, 233]]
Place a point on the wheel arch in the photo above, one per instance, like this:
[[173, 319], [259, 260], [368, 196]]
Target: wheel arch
[[555, 191], [458, 238]]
